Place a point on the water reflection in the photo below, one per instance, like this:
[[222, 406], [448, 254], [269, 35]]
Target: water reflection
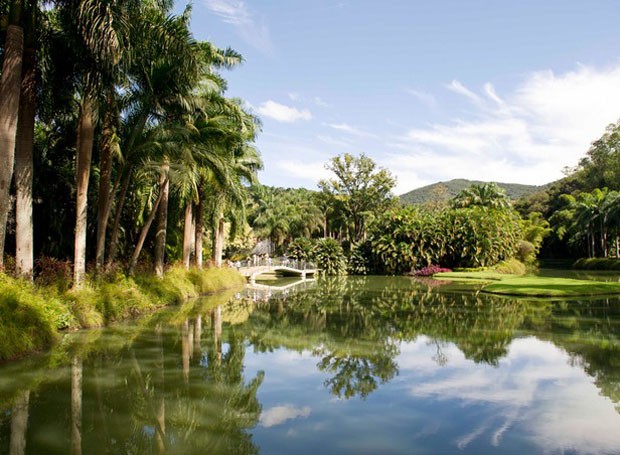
[[341, 365]]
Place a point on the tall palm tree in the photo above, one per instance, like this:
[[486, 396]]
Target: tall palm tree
[[10, 83], [24, 259]]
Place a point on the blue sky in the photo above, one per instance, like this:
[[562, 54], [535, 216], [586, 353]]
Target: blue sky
[[487, 90]]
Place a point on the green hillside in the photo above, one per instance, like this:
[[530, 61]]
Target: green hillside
[[442, 191]]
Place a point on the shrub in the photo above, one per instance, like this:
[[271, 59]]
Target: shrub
[[301, 249], [27, 318], [430, 270], [329, 257], [511, 267], [51, 271], [359, 259], [526, 252], [597, 264]]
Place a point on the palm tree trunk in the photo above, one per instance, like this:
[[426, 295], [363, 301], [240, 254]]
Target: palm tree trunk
[[85, 137], [218, 244], [145, 230], [162, 221], [187, 234], [19, 423], [10, 89], [103, 203], [185, 350], [199, 229], [117, 216], [76, 406], [24, 168]]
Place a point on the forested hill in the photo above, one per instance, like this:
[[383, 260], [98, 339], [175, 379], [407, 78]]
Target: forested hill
[[441, 191]]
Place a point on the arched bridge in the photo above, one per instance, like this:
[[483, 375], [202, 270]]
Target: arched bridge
[[251, 269]]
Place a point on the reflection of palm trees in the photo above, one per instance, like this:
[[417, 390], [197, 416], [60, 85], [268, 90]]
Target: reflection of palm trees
[[76, 405], [19, 423]]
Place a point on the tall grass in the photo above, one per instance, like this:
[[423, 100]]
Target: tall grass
[[31, 316]]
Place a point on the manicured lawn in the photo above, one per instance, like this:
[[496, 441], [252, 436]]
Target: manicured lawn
[[484, 276], [535, 286]]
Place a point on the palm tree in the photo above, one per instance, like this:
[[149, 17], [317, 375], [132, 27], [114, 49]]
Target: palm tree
[[24, 260], [10, 83], [96, 28], [486, 195]]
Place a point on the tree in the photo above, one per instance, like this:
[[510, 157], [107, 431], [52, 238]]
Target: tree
[[486, 195], [363, 189], [10, 83]]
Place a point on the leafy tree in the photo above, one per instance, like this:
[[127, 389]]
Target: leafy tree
[[363, 190]]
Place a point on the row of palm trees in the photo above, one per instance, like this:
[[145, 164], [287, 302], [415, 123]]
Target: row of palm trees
[[145, 98], [590, 219]]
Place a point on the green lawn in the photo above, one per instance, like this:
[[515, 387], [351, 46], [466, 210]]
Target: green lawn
[[484, 276], [534, 286]]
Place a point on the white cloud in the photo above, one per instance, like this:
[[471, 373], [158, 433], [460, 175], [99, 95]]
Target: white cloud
[[351, 130], [459, 88], [320, 102], [310, 172], [338, 142], [280, 414], [526, 136], [236, 13], [537, 391], [283, 113], [424, 97]]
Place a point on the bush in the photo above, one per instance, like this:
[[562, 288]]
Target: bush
[[597, 264], [359, 259], [526, 252], [301, 249], [329, 257], [28, 320], [511, 267], [430, 270]]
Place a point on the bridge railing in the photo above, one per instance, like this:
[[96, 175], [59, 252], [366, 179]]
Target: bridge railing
[[273, 262]]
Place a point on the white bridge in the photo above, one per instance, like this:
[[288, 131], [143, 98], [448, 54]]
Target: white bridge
[[301, 269]]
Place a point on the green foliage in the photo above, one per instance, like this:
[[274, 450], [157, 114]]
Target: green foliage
[[597, 264], [359, 259], [409, 238], [511, 267], [486, 195], [28, 318], [31, 316], [329, 257], [360, 189], [301, 249], [215, 279]]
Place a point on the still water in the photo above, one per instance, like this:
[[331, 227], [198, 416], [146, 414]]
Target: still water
[[355, 365]]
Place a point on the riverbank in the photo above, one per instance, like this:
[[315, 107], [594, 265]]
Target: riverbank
[[32, 317]]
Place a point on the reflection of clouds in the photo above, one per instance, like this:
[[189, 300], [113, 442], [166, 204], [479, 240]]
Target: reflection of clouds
[[535, 387], [280, 414]]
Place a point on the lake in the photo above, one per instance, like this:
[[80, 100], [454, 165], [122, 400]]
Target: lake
[[354, 365]]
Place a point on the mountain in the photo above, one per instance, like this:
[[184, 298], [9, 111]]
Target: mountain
[[443, 191]]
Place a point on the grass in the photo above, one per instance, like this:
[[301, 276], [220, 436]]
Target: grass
[[478, 277], [32, 316], [535, 286]]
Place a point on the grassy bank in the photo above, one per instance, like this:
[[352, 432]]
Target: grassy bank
[[535, 286], [32, 316], [597, 264]]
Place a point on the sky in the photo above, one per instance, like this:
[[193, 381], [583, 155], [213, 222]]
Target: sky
[[508, 91]]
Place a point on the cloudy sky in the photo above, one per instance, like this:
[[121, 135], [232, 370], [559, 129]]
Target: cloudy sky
[[487, 90]]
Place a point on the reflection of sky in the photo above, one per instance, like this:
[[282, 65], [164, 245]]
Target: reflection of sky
[[534, 401]]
